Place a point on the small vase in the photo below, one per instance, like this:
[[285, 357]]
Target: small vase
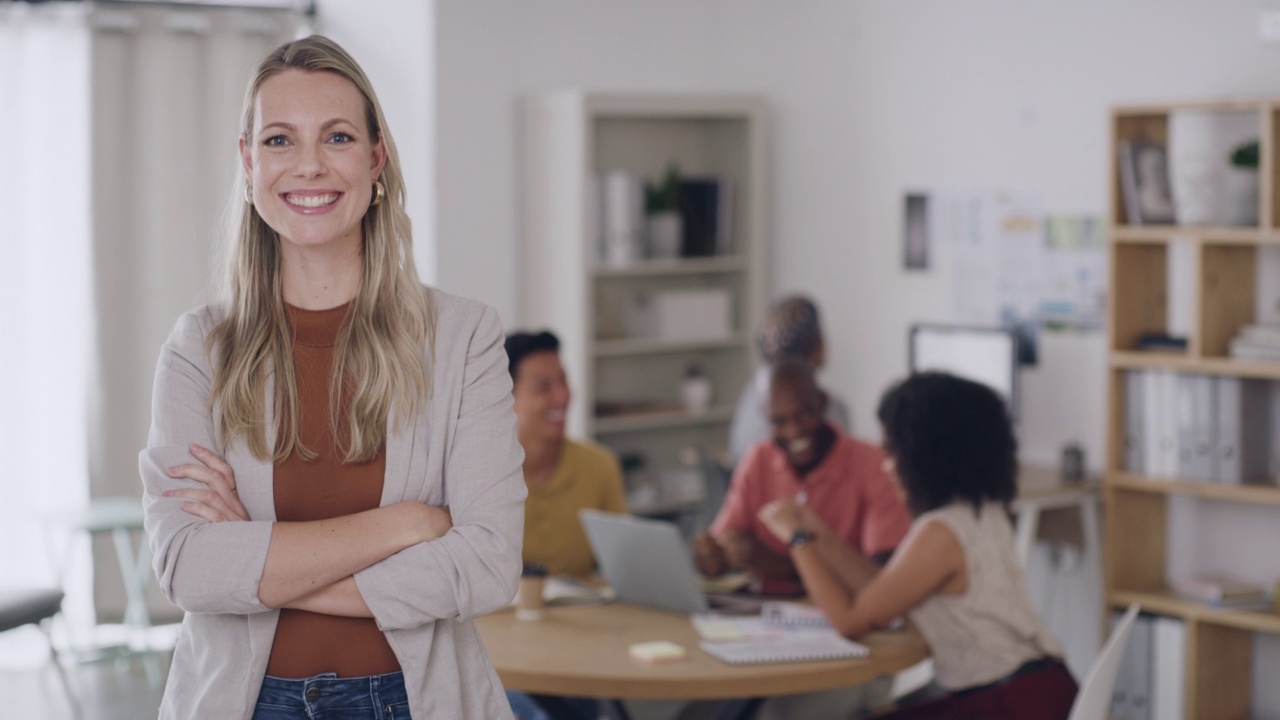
[[664, 230], [1240, 196], [695, 393]]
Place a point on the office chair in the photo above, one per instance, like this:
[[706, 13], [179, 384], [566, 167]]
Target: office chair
[[1093, 702], [37, 607]]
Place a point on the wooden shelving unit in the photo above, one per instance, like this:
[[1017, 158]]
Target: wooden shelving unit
[[1219, 643], [571, 137]]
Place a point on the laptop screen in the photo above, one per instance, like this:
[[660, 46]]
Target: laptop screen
[[645, 561]]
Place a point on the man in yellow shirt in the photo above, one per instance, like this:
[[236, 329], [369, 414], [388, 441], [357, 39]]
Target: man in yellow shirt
[[563, 475]]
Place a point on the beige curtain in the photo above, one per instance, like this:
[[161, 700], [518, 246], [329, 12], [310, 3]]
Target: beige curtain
[[167, 87], [45, 281]]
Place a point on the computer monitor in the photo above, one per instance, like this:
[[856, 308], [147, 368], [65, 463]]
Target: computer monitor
[[985, 355]]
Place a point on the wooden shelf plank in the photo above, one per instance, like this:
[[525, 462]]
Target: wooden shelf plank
[[677, 267], [1230, 105], [1181, 362], [1162, 601], [1252, 494], [628, 348], [1145, 234], [664, 420]]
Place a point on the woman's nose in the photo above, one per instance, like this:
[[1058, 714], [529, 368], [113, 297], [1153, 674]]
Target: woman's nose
[[309, 161]]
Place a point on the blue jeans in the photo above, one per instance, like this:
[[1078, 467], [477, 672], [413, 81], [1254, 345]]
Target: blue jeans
[[329, 697]]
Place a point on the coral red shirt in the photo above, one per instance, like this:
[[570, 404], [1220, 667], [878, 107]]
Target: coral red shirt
[[849, 490]]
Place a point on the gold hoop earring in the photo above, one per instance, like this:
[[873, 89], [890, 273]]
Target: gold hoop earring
[[379, 194], [248, 194]]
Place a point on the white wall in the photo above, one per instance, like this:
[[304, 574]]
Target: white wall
[[395, 47], [868, 99]]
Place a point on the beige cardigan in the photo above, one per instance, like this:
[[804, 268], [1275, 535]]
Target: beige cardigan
[[461, 451]]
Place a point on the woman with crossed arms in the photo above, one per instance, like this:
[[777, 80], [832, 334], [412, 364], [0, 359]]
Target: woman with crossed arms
[[951, 448], [332, 477]]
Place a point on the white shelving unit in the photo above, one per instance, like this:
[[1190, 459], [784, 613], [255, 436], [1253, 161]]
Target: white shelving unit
[[569, 139]]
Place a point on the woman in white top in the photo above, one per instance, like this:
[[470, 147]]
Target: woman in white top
[[951, 447]]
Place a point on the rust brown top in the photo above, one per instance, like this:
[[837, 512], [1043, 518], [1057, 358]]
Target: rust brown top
[[308, 643]]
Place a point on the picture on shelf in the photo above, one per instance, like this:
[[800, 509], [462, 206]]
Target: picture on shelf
[[1144, 183]]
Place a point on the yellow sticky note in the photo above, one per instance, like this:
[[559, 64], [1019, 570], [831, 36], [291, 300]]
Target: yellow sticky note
[[719, 631], [658, 651]]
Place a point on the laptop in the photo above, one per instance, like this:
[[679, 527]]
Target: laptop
[[645, 561]]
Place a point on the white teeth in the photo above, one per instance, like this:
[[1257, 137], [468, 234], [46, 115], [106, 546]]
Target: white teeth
[[311, 200], [799, 445]]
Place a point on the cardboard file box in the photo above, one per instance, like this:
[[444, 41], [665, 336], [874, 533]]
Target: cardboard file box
[[701, 314]]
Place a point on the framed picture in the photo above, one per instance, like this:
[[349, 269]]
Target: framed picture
[[1144, 183], [915, 232]]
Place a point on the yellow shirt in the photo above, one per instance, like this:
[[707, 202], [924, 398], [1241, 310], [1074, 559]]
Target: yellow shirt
[[588, 476]]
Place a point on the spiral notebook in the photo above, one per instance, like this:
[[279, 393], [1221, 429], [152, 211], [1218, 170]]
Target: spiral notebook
[[793, 614], [798, 649]]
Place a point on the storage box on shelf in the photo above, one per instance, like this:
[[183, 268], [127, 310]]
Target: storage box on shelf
[[634, 323], [1225, 301]]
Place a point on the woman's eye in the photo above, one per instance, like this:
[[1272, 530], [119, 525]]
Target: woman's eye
[[275, 141], [341, 137]]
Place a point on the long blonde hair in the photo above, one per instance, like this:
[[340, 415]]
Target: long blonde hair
[[379, 360]]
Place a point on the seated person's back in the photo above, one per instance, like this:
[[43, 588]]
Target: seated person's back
[[563, 476], [838, 476]]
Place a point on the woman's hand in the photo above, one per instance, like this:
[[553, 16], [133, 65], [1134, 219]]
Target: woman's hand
[[217, 501], [782, 517], [810, 521]]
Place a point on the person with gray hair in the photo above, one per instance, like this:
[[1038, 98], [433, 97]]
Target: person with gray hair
[[791, 329]]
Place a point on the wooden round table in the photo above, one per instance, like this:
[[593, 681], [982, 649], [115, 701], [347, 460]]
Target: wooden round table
[[582, 651]]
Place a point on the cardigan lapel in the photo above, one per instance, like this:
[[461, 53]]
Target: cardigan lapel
[[395, 482], [255, 477]]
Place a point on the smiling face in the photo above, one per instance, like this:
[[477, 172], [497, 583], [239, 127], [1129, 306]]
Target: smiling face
[[541, 396], [311, 159], [796, 408]]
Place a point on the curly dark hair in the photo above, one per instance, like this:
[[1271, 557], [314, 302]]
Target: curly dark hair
[[790, 330], [521, 344], [951, 439]]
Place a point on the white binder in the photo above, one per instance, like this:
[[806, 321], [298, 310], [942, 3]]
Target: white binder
[[1244, 430], [1134, 411]]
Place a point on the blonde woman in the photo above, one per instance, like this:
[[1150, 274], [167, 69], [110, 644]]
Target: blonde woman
[[332, 478]]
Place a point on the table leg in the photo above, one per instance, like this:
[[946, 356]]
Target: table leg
[[135, 570], [1092, 550], [1028, 523]]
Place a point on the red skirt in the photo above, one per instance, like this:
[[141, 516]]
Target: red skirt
[[1045, 691]]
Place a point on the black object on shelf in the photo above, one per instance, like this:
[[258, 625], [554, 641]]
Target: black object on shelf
[[1161, 341], [701, 214]]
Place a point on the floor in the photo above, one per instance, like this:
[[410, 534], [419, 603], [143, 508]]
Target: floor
[[107, 690]]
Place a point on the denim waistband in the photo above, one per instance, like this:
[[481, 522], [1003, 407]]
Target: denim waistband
[[327, 691]]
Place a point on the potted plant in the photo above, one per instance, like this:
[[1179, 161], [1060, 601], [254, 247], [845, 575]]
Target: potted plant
[[1240, 188], [662, 214]]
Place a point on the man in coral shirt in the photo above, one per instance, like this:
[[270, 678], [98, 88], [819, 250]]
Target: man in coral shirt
[[838, 476]]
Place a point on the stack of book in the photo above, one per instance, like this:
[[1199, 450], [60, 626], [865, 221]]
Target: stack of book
[[1222, 591], [1257, 342]]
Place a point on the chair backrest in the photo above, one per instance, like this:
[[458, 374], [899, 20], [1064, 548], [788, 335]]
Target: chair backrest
[[1093, 702]]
